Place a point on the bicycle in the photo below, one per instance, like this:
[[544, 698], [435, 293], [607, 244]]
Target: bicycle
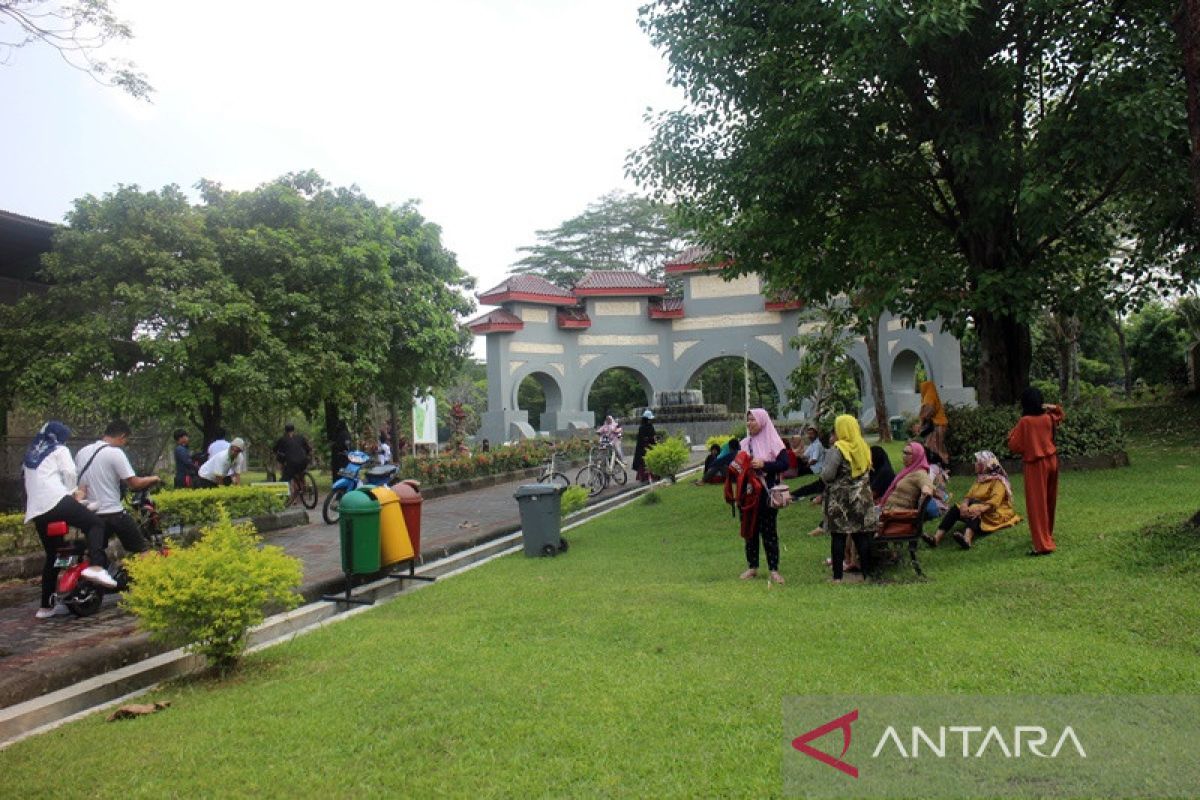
[[303, 487], [604, 467], [550, 473]]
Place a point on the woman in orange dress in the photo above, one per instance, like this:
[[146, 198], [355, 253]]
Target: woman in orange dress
[[933, 423], [1033, 440]]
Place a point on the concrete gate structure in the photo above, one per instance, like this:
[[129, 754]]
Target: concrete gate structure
[[565, 339]]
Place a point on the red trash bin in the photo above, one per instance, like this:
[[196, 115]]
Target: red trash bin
[[409, 493]]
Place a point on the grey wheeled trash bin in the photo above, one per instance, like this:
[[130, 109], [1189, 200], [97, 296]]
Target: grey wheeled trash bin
[[541, 526]]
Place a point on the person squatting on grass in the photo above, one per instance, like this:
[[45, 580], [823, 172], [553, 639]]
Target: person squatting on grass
[[769, 459], [986, 507], [1033, 440], [847, 495], [50, 496]]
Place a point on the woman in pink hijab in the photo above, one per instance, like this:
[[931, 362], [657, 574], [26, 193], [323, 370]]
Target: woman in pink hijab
[[769, 458], [912, 481]]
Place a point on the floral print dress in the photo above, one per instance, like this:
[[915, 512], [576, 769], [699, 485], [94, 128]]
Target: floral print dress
[[848, 505]]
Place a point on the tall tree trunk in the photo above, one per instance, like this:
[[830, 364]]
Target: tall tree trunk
[[210, 418], [1187, 25], [1126, 372], [878, 395], [1005, 354]]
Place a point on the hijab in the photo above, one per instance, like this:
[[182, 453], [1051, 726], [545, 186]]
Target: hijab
[[851, 445], [920, 461], [929, 397], [52, 434], [1032, 402], [882, 473], [766, 444], [993, 471]]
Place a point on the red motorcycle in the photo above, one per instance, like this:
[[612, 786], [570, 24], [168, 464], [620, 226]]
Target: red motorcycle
[[80, 595]]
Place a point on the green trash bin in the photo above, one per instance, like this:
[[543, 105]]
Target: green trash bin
[[541, 520], [359, 526], [897, 424]]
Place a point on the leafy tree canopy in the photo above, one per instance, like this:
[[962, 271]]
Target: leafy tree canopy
[[943, 160], [618, 231], [293, 295], [77, 31]]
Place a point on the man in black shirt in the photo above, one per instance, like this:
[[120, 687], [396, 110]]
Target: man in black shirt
[[293, 453]]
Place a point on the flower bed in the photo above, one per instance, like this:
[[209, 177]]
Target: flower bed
[[447, 468]]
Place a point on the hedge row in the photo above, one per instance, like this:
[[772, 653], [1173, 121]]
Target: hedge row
[[1087, 431], [528, 453], [175, 507]]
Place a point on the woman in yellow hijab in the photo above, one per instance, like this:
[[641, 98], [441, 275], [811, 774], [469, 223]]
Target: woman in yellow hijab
[[933, 422], [847, 495]]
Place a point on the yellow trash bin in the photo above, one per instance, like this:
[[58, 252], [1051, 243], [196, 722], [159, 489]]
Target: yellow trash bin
[[395, 546]]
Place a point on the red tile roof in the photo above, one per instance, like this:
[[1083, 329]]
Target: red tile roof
[[666, 308], [693, 259], [528, 289], [498, 321], [617, 282], [573, 318]]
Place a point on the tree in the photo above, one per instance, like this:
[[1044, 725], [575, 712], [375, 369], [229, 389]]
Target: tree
[[968, 154], [1157, 342], [824, 377], [295, 295], [77, 31], [619, 231]]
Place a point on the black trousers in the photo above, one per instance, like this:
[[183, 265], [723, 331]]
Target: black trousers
[[767, 532], [72, 512], [127, 530], [837, 551], [953, 515]]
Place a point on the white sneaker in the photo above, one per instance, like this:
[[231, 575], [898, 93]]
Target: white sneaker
[[100, 577], [59, 610]]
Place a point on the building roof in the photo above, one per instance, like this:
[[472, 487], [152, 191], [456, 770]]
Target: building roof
[[693, 259], [497, 321], [666, 308], [22, 241], [573, 318], [618, 282], [526, 289]]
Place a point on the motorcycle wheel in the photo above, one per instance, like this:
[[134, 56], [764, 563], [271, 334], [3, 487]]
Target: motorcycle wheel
[[330, 512], [85, 600]]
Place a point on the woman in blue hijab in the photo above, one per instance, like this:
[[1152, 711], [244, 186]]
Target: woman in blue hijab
[[50, 497]]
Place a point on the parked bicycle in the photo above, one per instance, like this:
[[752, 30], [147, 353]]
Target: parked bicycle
[[604, 467], [550, 473]]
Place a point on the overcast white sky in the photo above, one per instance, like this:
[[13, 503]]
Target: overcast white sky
[[500, 116]]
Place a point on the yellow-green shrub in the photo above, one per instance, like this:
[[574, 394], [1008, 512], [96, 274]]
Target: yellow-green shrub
[[207, 596], [201, 506], [667, 457], [16, 537], [719, 441], [574, 499]]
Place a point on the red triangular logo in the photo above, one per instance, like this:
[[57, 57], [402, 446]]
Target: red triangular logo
[[843, 722]]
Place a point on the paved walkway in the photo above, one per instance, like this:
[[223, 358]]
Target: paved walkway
[[40, 656]]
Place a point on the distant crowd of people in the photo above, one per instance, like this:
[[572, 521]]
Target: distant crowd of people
[[859, 490]]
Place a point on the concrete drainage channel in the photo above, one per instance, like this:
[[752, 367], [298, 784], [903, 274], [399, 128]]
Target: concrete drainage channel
[[35, 716]]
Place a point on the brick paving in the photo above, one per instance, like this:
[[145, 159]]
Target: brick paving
[[39, 656]]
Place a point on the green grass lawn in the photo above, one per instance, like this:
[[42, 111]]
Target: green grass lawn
[[638, 665]]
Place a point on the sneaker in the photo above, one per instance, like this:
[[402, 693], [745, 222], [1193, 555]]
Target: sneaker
[[100, 577], [57, 610]]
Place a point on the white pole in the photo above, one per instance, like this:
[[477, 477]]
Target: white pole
[[746, 374]]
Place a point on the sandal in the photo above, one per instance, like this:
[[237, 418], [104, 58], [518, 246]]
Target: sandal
[[749, 574], [929, 540], [776, 577], [961, 538]]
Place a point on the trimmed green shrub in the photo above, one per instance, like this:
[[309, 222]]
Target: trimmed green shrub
[[17, 538], [202, 506], [207, 597], [667, 457], [1087, 430], [447, 468], [574, 499]]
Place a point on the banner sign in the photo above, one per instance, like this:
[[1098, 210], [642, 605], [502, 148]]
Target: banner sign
[[425, 420]]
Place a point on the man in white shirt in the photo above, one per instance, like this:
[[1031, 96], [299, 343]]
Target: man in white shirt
[[236, 466], [225, 462], [101, 468]]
